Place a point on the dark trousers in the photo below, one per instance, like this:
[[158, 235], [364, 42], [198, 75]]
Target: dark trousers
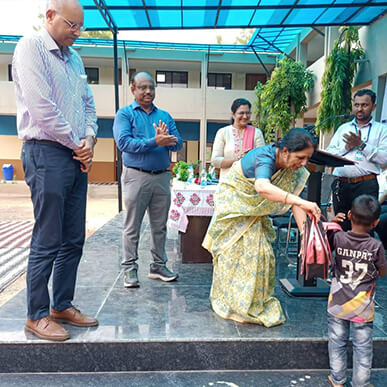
[[343, 194], [58, 193]]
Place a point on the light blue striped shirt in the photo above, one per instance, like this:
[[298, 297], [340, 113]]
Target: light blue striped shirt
[[373, 156], [53, 100]]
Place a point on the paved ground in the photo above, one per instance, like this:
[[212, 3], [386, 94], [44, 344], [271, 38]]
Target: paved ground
[[15, 204], [16, 220], [180, 379]]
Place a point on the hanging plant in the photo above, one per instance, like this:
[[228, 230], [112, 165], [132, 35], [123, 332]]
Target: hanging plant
[[337, 81], [283, 98]]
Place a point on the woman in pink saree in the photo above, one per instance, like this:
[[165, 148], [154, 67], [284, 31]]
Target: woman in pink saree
[[233, 141]]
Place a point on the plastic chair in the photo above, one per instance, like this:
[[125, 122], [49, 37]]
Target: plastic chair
[[326, 193], [287, 222]]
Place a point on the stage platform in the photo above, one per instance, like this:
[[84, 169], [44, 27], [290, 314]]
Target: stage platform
[[169, 328]]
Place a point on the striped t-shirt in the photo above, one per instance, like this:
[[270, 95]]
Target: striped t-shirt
[[356, 268]]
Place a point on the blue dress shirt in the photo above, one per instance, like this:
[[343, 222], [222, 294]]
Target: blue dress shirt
[[135, 137]]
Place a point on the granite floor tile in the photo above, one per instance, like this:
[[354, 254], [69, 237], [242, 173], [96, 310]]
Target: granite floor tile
[[177, 310], [86, 299], [162, 312]]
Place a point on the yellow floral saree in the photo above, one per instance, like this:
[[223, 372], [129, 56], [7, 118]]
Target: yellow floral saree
[[239, 239]]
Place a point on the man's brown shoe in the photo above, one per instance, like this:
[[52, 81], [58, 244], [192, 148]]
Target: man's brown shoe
[[47, 329], [73, 316]]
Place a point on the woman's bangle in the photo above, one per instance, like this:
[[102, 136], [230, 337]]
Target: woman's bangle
[[286, 196]]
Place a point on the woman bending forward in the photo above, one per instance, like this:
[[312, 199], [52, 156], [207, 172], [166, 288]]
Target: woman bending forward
[[266, 181]]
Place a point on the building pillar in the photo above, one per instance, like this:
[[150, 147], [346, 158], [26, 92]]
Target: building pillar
[[125, 78], [203, 118], [331, 34], [379, 86], [301, 51]]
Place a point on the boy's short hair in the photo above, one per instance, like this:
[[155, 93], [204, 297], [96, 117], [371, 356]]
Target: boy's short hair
[[365, 210]]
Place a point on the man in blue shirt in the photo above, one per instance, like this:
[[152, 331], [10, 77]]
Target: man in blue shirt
[[145, 135]]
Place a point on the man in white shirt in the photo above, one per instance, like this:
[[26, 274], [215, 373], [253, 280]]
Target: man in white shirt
[[363, 141]]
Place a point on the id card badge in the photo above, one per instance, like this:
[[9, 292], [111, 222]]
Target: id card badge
[[359, 156]]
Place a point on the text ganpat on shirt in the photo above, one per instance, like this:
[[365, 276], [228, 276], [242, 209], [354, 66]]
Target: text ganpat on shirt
[[358, 258]]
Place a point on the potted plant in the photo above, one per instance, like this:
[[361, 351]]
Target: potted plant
[[283, 98]]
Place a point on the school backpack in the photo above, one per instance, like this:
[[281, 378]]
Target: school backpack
[[316, 253]]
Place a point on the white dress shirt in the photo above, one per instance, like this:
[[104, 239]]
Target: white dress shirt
[[371, 158], [228, 145], [53, 100]]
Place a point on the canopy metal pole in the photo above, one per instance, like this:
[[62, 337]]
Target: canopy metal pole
[[117, 106], [261, 62], [203, 119]]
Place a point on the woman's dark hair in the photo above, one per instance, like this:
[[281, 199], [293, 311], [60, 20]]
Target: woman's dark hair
[[239, 102], [365, 210], [296, 139]]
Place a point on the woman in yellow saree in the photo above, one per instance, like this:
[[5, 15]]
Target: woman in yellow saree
[[267, 181]]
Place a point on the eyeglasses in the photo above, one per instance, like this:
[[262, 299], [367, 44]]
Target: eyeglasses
[[73, 26], [144, 88]]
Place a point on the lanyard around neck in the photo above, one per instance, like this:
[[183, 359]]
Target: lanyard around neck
[[369, 129]]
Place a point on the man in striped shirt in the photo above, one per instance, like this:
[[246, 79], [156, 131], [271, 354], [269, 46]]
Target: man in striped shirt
[[56, 119]]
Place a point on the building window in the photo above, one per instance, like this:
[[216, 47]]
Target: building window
[[92, 75], [252, 79], [172, 79], [10, 73], [219, 80]]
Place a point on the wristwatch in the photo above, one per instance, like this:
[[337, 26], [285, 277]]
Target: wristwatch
[[94, 139], [362, 146]]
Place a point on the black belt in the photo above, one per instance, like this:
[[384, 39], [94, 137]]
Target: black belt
[[48, 142], [150, 172]]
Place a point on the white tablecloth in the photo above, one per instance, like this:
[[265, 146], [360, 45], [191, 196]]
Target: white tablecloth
[[189, 199]]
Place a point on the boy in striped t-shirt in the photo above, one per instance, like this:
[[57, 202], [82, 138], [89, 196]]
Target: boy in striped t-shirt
[[358, 262]]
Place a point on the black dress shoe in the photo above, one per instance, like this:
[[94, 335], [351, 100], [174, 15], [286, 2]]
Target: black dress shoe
[[131, 279]]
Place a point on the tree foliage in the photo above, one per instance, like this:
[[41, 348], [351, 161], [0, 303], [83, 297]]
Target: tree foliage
[[283, 98], [219, 39], [245, 36], [42, 19], [340, 69], [97, 34]]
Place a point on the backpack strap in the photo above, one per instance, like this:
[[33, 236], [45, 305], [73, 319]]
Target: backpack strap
[[331, 226]]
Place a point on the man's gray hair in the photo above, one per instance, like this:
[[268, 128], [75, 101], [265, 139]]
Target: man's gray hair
[[57, 5], [139, 74]]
